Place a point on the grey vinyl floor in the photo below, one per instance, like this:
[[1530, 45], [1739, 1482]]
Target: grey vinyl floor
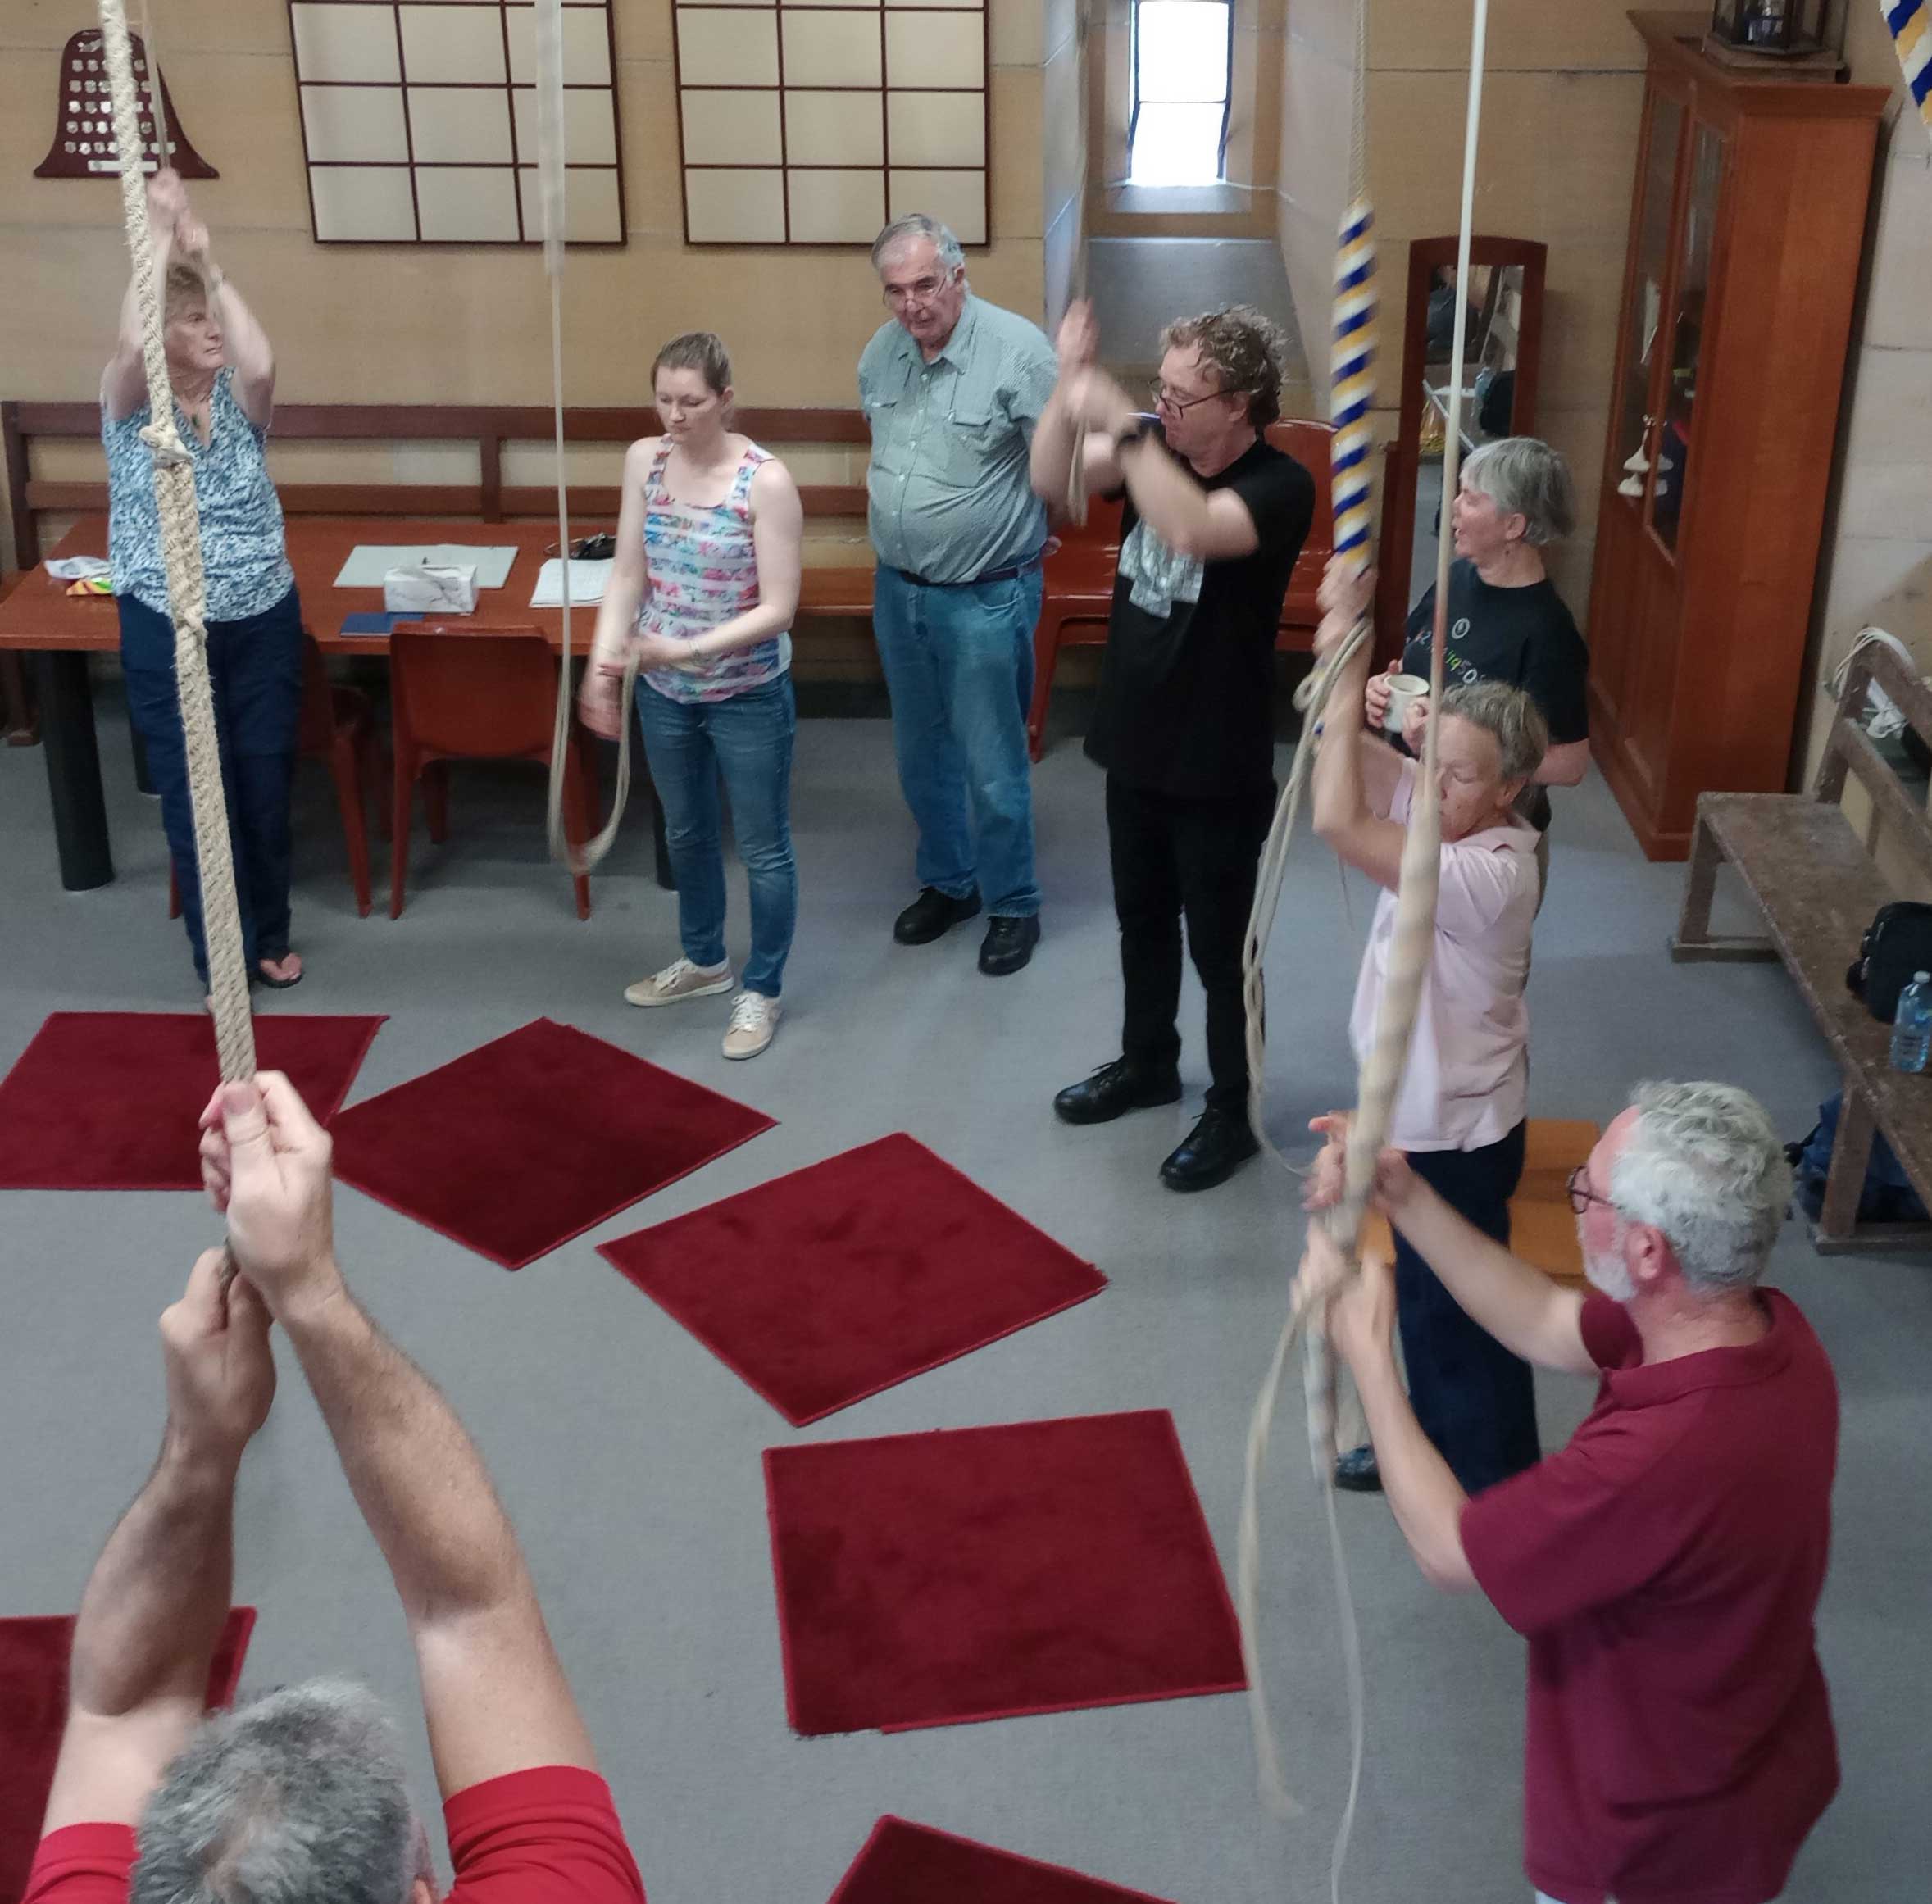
[[630, 1458]]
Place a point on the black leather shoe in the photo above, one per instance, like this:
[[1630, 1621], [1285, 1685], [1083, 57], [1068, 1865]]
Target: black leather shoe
[[1210, 1153], [1356, 1471], [1114, 1090], [1009, 945], [931, 915]]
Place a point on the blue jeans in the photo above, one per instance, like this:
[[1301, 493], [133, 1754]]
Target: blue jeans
[[255, 669], [748, 738], [959, 666], [1474, 1399]]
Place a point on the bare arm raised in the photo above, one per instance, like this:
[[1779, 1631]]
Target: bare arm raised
[[494, 1691], [155, 1603]]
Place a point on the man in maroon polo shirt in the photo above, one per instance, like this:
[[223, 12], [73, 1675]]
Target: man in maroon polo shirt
[[1666, 1566]]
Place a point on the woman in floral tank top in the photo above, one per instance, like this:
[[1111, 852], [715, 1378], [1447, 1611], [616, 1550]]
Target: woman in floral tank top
[[222, 371], [705, 584]]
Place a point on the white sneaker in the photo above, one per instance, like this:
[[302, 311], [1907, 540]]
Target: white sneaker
[[754, 1024], [679, 980]]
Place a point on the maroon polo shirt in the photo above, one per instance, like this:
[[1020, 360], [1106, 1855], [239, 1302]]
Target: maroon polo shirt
[[1665, 1568]]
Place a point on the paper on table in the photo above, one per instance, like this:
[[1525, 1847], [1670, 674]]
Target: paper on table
[[587, 583], [370, 561]]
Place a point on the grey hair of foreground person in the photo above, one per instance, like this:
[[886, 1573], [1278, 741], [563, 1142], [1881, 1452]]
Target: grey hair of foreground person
[[914, 226], [299, 1797], [1522, 475], [1509, 717], [1704, 1165]]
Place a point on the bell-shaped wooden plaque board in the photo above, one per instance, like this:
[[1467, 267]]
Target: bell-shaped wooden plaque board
[[82, 145]]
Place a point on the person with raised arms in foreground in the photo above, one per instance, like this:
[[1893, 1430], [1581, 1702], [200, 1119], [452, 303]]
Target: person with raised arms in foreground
[[299, 1797], [1666, 1566]]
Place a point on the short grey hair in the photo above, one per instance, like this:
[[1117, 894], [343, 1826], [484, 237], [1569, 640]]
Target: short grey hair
[[1522, 734], [297, 1798], [1704, 1165], [916, 225], [1522, 475]]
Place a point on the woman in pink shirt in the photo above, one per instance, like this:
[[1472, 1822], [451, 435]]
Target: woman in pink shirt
[[1459, 1117]]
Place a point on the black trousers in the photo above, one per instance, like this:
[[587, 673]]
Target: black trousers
[[1474, 1399], [1176, 859]]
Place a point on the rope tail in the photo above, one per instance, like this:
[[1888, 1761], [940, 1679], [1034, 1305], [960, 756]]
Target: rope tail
[[1412, 946], [181, 550], [551, 186]]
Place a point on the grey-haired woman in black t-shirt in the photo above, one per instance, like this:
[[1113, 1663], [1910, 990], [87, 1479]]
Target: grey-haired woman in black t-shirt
[[1506, 620]]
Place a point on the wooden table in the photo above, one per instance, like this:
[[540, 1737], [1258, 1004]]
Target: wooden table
[[61, 630]]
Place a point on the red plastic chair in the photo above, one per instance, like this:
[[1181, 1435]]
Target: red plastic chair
[[338, 729], [1078, 591], [475, 693]]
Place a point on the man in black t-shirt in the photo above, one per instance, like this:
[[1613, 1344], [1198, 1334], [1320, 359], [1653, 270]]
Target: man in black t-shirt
[[1212, 520]]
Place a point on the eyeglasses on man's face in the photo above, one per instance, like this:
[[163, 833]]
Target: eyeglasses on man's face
[[1177, 403], [919, 291], [1581, 1195]]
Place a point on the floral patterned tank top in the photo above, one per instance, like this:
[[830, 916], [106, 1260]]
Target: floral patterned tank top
[[702, 570]]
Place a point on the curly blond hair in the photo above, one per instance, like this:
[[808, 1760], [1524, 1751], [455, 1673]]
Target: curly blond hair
[[1245, 350]]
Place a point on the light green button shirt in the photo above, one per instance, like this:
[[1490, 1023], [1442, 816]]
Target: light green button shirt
[[948, 493]]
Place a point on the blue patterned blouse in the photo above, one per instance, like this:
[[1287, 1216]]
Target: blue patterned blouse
[[243, 556]]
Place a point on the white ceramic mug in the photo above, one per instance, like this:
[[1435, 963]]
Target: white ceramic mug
[[1402, 689]]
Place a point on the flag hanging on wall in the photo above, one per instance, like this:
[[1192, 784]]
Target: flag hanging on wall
[[1910, 24]]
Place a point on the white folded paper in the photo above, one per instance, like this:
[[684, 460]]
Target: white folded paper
[[78, 568], [430, 588], [587, 583]]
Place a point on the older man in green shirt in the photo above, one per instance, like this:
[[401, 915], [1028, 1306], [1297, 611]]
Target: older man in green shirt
[[953, 387]]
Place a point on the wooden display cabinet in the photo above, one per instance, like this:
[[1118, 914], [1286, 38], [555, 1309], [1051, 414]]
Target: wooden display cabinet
[[1746, 227]]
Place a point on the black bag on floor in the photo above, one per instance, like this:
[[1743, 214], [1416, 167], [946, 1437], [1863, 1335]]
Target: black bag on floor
[[1897, 943]]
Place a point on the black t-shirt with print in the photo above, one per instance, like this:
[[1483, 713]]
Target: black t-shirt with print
[[1525, 637], [1187, 683]]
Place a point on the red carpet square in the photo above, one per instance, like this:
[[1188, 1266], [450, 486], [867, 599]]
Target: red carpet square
[[825, 1286], [109, 1100], [533, 1138], [982, 1573], [902, 1862], [33, 1713]]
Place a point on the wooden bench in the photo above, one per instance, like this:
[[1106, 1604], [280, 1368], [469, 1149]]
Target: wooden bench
[[1816, 881]]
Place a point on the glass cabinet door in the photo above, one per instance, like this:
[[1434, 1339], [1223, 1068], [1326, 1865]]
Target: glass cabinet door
[[1680, 395], [1636, 400]]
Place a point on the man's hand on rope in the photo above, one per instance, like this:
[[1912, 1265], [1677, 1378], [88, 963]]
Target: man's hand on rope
[[221, 1376], [1395, 1185], [1078, 340], [1345, 599], [1093, 397], [1362, 1317], [265, 1161]]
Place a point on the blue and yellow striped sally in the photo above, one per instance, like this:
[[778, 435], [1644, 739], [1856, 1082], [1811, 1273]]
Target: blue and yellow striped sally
[[1352, 381], [1910, 26]]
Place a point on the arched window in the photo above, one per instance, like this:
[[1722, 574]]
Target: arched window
[[1183, 54]]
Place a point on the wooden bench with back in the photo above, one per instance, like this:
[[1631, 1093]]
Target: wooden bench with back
[[1817, 879]]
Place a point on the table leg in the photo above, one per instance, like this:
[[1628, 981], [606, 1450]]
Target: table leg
[[660, 844], [1850, 1157], [73, 769]]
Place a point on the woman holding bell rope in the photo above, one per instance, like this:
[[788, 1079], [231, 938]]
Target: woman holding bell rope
[[223, 373]]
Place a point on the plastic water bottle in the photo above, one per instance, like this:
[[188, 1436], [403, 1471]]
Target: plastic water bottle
[[1911, 1029]]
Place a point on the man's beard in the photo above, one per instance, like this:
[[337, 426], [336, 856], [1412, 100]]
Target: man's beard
[[1605, 1272]]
